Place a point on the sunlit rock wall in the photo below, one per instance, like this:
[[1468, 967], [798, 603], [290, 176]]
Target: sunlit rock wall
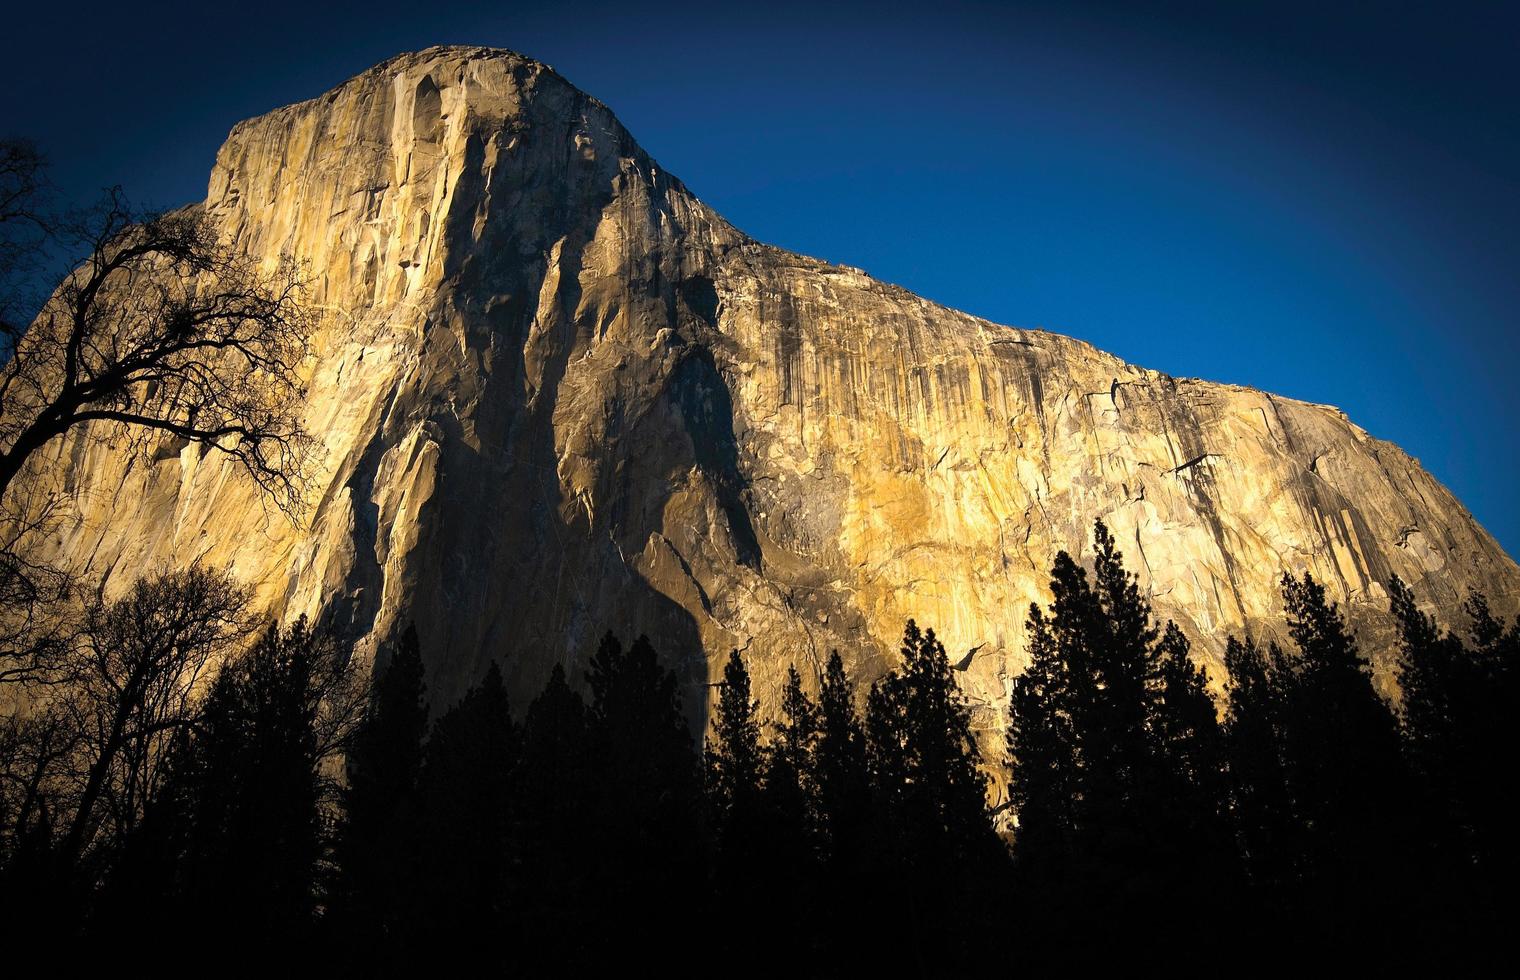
[[557, 394]]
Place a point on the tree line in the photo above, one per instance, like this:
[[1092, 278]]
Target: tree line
[[262, 796]]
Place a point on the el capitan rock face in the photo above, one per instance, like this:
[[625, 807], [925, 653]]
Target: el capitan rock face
[[557, 393]]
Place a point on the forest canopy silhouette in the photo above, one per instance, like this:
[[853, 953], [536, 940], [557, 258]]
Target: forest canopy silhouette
[[250, 788]]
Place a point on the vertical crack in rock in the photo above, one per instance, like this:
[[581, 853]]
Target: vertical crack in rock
[[708, 413]]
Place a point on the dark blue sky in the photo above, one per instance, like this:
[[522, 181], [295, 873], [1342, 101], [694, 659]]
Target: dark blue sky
[[1322, 200]]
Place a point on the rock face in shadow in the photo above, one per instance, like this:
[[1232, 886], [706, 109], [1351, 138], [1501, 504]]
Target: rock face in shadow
[[557, 393]]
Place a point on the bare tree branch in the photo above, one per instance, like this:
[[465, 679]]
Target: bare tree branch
[[163, 331]]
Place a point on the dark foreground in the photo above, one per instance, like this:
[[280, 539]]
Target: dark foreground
[[149, 816]]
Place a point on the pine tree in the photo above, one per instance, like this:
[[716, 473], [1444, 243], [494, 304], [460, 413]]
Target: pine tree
[[1438, 678], [840, 768], [1190, 801], [758, 819], [1045, 784], [467, 795], [735, 762], [1266, 820], [556, 788], [379, 859], [790, 784], [267, 822], [231, 848], [641, 736], [734, 758], [1345, 744], [1123, 661], [1186, 726], [935, 831], [646, 835], [1494, 692], [1117, 770], [1085, 764], [1350, 785], [1455, 718], [923, 755], [791, 855], [847, 887]]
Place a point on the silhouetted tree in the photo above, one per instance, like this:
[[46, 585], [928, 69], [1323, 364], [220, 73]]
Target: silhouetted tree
[[162, 333], [379, 847], [763, 817], [790, 788], [1495, 649], [1080, 739], [1353, 733], [1047, 784], [1118, 770], [577, 841], [1349, 783], [741, 824], [1268, 828], [106, 755], [229, 851], [1119, 703], [1441, 684], [1189, 804], [841, 771], [39, 896], [468, 836], [36, 748], [127, 686], [646, 839], [1458, 703], [841, 775], [734, 758], [935, 832], [156, 335], [556, 802]]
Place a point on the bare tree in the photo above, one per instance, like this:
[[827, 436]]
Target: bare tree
[[162, 333], [34, 596], [130, 683], [35, 747], [163, 330]]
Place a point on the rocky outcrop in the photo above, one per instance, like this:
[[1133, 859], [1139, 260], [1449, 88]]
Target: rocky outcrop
[[557, 393]]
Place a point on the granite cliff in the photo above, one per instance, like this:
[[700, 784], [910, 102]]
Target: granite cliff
[[556, 393]]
